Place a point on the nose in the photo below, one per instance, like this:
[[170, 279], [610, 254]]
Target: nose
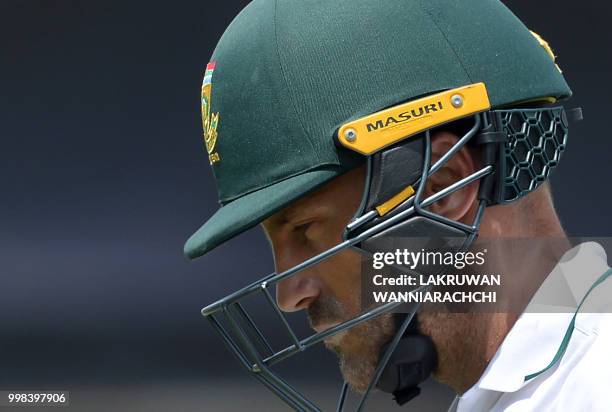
[[301, 289], [297, 292]]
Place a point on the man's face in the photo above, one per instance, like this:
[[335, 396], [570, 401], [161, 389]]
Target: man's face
[[330, 290]]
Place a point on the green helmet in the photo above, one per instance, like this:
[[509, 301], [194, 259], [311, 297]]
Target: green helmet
[[287, 74]]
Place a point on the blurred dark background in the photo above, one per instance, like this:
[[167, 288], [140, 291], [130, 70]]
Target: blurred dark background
[[103, 177]]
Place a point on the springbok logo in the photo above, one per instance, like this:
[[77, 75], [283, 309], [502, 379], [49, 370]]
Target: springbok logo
[[210, 121]]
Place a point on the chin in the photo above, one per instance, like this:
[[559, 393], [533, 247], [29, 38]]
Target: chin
[[357, 366], [358, 350], [358, 372]]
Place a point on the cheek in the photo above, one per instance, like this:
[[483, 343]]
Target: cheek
[[322, 236], [342, 276]]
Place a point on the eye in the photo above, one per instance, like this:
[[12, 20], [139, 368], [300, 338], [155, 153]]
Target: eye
[[303, 226], [307, 229]]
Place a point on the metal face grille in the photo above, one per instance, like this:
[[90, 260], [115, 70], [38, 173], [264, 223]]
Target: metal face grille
[[536, 139]]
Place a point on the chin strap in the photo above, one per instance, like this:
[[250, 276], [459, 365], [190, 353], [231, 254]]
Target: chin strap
[[412, 362]]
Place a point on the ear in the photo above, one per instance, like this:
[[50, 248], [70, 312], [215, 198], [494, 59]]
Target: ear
[[458, 205]]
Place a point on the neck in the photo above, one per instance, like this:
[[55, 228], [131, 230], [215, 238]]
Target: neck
[[466, 342]]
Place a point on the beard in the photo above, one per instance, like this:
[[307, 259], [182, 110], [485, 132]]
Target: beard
[[358, 348]]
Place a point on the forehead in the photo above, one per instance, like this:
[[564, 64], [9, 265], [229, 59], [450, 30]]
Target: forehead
[[344, 190]]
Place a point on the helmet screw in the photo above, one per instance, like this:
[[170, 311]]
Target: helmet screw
[[350, 135], [457, 100]]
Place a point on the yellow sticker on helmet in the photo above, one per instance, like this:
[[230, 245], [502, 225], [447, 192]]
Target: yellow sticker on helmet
[[381, 129], [546, 46]]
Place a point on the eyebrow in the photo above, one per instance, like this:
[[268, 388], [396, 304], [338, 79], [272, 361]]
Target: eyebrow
[[290, 213], [305, 212], [295, 214]]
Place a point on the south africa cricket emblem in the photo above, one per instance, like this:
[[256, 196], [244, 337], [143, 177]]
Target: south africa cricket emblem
[[210, 121]]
